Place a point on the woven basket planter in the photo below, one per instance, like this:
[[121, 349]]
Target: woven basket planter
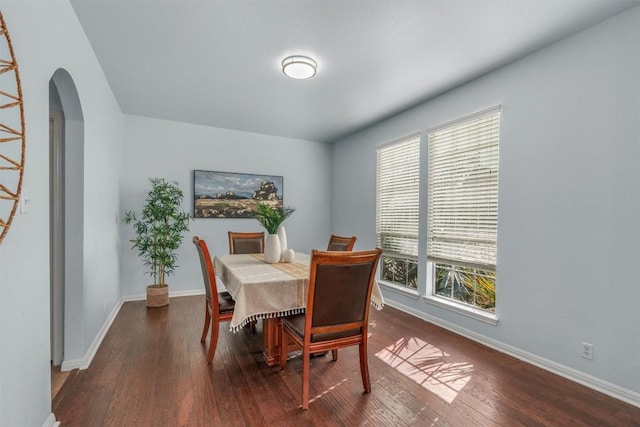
[[157, 295]]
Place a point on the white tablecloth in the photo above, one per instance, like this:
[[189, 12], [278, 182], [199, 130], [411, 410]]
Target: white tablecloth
[[263, 291]]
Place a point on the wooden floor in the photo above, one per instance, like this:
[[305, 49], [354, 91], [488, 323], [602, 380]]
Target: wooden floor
[[150, 371], [57, 380]]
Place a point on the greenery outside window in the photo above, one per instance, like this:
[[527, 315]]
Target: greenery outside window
[[462, 213], [400, 271], [466, 285], [397, 210]]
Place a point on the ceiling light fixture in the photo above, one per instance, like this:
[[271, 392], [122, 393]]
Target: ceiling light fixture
[[299, 67]]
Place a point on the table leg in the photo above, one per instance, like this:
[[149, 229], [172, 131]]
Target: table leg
[[271, 341]]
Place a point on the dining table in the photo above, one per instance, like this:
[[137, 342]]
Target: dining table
[[264, 291]]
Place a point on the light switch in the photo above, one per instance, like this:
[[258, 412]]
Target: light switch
[[24, 202]]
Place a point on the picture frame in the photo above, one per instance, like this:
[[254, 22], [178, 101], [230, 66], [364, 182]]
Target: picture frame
[[233, 195]]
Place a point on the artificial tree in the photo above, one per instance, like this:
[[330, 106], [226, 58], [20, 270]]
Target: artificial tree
[[159, 228]]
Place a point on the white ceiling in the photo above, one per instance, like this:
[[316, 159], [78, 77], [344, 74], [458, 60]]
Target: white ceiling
[[217, 63]]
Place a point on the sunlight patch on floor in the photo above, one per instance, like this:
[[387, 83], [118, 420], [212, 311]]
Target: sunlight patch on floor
[[426, 365], [372, 325], [330, 389]]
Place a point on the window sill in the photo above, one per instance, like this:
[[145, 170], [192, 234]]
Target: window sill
[[411, 293], [474, 313]]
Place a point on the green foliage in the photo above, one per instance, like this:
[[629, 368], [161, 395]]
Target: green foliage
[[467, 285], [401, 271], [271, 217], [159, 228]]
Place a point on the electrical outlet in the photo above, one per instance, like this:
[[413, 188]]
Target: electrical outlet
[[587, 350]]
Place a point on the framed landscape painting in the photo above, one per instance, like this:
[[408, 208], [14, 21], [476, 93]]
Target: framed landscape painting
[[233, 195]]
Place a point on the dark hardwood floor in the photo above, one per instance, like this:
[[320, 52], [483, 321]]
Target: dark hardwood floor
[[57, 379], [150, 371]]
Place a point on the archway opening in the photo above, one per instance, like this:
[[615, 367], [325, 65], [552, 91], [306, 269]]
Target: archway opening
[[66, 213]]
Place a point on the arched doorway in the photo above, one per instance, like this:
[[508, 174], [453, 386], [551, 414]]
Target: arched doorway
[[66, 154]]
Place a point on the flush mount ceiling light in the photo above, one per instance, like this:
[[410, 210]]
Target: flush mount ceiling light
[[299, 67]]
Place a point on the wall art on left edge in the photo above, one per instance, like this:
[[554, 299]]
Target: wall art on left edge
[[233, 195]]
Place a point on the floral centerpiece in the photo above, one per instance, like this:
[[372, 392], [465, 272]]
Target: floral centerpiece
[[271, 218]]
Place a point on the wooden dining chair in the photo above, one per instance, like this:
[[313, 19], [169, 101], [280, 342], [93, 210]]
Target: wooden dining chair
[[246, 243], [337, 311], [339, 243], [219, 306]]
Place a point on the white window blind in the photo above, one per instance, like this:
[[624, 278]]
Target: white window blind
[[463, 191], [398, 182]]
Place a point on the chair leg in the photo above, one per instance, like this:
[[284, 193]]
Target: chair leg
[[334, 354], [215, 329], [305, 379], [207, 321], [364, 368]]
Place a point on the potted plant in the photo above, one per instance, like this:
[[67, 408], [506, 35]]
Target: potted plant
[[159, 229], [271, 219]]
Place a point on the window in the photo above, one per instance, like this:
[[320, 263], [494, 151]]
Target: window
[[398, 176], [462, 213]]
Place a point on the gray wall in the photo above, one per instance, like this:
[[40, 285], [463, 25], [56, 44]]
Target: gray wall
[[173, 150], [569, 203], [46, 36]]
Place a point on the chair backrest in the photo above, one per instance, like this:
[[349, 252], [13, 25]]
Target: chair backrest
[[246, 243], [208, 273], [339, 297], [339, 243]]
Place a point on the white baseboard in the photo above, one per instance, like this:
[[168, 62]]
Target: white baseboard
[[137, 297], [172, 294], [186, 293], [51, 421], [594, 383], [85, 361]]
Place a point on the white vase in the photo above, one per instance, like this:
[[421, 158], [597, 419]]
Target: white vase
[[282, 236], [272, 251]]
